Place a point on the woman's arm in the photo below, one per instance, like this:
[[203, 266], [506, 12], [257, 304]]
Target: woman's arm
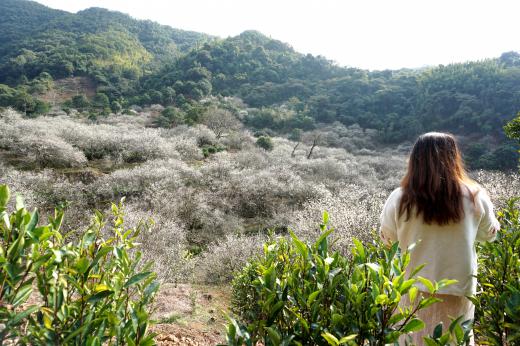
[[388, 229], [488, 225]]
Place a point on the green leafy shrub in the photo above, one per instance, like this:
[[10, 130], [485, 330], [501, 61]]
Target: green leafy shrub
[[207, 150], [305, 294], [91, 291], [457, 334], [265, 143], [170, 117], [512, 128], [498, 305]]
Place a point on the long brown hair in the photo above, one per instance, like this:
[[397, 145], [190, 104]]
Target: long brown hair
[[433, 186]]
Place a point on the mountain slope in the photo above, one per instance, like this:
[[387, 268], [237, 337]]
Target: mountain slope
[[96, 42], [138, 62]]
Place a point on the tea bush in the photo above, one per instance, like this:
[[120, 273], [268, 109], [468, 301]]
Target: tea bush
[[498, 304], [92, 291], [298, 293]]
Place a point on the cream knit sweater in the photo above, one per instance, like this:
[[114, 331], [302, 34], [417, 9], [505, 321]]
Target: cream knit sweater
[[448, 251]]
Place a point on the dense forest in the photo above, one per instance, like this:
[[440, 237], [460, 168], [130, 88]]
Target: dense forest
[[132, 62]]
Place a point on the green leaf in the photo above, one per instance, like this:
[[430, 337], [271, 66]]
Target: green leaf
[[22, 315], [381, 299], [427, 283], [430, 342], [99, 296], [32, 222], [269, 276], [79, 330], [331, 339], [396, 318], [406, 285], [428, 301], [347, 338], [37, 232], [88, 238], [323, 236], [137, 278], [446, 282], [13, 249], [312, 297], [412, 293], [5, 195], [102, 252], [325, 217], [360, 250], [374, 266], [413, 325], [459, 333], [275, 309], [417, 270], [444, 339], [302, 248], [82, 265], [22, 295], [454, 324], [437, 332], [274, 335], [151, 289]]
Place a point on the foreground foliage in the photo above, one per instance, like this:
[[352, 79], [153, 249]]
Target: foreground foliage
[[498, 305], [56, 290], [299, 294], [305, 294]]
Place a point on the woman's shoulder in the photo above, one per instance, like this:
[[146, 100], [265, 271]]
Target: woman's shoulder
[[395, 195], [474, 190], [478, 195]]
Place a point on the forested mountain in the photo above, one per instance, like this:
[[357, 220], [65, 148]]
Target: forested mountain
[[142, 63], [462, 97], [473, 99], [103, 44]]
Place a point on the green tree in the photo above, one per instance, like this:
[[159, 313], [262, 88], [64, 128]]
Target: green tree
[[101, 101], [170, 117], [512, 129], [24, 102], [116, 107], [7, 95], [41, 107], [80, 102], [265, 142]]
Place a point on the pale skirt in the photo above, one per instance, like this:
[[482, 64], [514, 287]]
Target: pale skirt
[[451, 306]]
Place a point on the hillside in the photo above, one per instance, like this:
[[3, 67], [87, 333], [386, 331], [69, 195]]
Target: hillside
[[157, 184], [134, 62], [473, 100], [103, 44], [203, 203]]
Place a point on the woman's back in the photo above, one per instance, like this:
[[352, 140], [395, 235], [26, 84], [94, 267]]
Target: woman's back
[[448, 250], [440, 210]]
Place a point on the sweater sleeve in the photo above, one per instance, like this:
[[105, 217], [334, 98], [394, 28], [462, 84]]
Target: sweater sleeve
[[388, 230], [488, 225]]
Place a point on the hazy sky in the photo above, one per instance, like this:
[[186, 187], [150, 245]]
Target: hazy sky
[[373, 34]]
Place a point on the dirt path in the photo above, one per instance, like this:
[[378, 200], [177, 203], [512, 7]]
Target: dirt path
[[191, 315]]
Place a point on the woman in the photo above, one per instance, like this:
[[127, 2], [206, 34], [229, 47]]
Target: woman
[[443, 212]]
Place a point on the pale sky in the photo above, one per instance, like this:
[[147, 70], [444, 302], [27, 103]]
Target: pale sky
[[371, 34]]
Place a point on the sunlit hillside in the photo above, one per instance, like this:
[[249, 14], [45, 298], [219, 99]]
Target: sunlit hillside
[[157, 184]]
